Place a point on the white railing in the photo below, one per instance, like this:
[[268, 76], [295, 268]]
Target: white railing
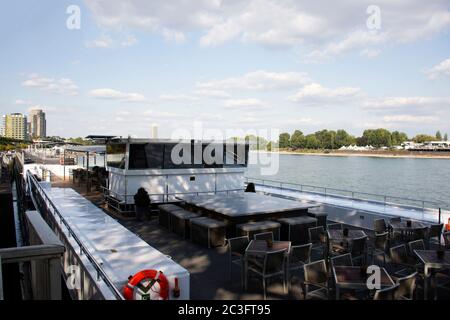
[[36, 190], [384, 200]]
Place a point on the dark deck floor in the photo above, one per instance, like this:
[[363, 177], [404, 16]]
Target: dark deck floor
[[208, 267]]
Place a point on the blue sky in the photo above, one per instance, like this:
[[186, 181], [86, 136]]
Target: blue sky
[[246, 65]]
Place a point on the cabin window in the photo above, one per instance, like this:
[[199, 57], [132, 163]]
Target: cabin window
[[155, 155], [115, 155], [138, 157]]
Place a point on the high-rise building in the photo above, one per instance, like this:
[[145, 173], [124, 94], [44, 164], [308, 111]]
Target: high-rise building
[[2, 126], [15, 126], [154, 131], [38, 124]]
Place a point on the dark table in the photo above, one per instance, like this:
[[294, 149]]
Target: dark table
[[431, 261], [347, 277], [237, 208]]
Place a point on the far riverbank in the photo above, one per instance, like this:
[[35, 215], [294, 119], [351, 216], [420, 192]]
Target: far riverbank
[[367, 153]]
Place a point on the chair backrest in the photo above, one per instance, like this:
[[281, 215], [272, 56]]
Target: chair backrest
[[406, 287], [316, 272], [399, 254], [300, 254], [416, 245], [334, 226], [395, 219], [447, 239], [435, 230], [381, 240], [386, 294], [359, 246], [238, 245], [317, 234], [274, 261], [344, 260], [264, 236], [379, 225], [420, 233]]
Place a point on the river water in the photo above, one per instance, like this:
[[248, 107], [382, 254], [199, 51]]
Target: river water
[[416, 178]]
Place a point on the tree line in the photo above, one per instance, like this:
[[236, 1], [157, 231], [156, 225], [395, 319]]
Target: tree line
[[330, 139]]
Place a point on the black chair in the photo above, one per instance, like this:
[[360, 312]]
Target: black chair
[[415, 245], [236, 248], [273, 266], [380, 226], [298, 257], [316, 276], [447, 239], [401, 261], [334, 226], [434, 231], [406, 287], [264, 236], [380, 245], [359, 250], [319, 240], [386, 294], [344, 260], [420, 234]]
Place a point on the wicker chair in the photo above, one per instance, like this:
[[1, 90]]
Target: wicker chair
[[273, 266], [298, 257], [316, 276], [386, 294], [359, 250], [236, 249], [319, 240], [380, 245], [406, 287], [264, 236], [380, 226]]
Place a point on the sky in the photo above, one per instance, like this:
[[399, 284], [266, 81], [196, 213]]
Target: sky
[[120, 67]]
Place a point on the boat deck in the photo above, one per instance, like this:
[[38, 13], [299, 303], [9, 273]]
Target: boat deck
[[208, 268]]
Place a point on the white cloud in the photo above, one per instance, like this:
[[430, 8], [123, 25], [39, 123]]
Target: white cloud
[[107, 93], [211, 93], [407, 118], [258, 80], [315, 93], [63, 86], [322, 28], [407, 102], [105, 41], [439, 71], [178, 97], [245, 103], [22, 102]]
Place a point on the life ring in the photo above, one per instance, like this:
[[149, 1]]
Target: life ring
[[447, 226], [147, 285]]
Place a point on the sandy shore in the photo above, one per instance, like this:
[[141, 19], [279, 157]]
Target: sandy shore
[[376, 154]]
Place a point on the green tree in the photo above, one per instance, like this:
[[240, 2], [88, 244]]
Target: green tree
[[297, 140], [343, 139], [326, 139], [421, 138], [284, 140], [377, 138], [398, 138], [438, 136], [311, 142]]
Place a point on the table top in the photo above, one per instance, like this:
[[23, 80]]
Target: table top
[[260, 246], [402, 225], [347, 276], [339, 234], [245, 204], [430, 257]]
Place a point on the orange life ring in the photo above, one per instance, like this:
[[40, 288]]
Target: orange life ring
[[147, 285], [447, 226]]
